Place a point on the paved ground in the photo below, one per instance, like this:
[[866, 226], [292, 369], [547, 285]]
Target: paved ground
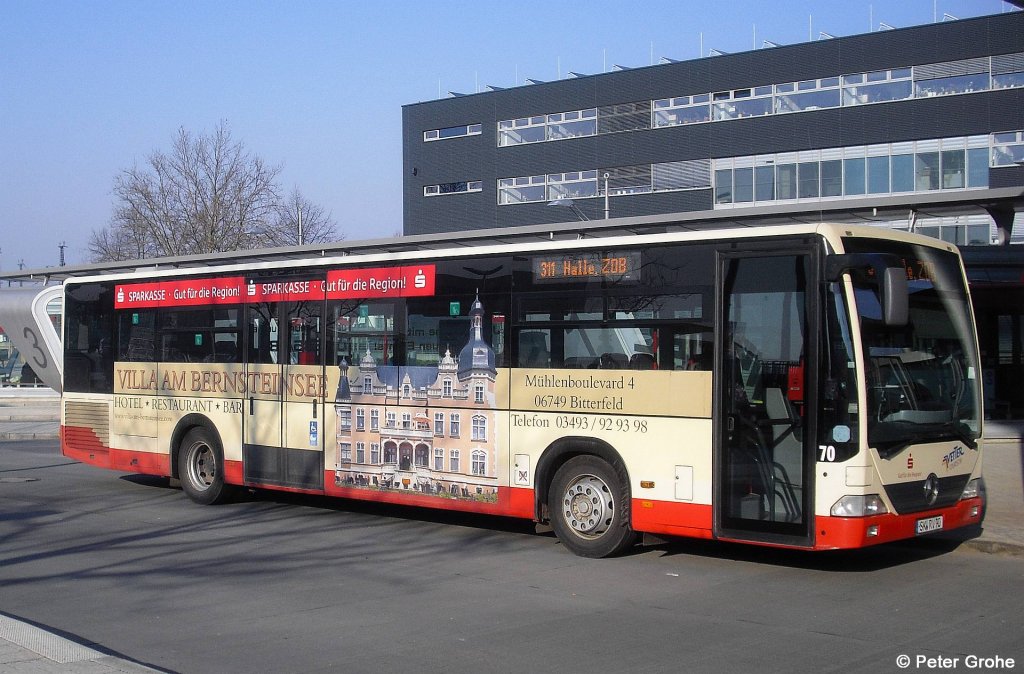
[[34, 414]]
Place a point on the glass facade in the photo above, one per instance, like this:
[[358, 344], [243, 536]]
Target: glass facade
[[879, 86], [890, 168], [679, 175]]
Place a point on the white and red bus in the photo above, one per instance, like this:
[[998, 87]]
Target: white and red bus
[[805, 386]]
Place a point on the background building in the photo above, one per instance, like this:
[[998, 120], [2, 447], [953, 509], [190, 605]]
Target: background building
[[918, 128]]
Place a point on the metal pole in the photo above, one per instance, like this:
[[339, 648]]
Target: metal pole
[[607, 208], [300, 224]]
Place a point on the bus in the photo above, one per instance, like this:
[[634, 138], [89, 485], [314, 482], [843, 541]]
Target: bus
[[812, 387]]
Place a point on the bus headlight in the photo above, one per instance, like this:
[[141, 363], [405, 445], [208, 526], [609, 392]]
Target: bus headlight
[[974, 489], [859, 506]]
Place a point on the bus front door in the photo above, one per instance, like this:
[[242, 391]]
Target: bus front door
[[283, 430], [765, 356]]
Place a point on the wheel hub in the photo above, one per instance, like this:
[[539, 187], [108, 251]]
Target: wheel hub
[[587, 506]]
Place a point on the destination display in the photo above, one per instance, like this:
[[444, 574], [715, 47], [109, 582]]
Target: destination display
[[620, 266]]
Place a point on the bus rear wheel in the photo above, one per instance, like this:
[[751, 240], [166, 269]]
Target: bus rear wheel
[[201, 468], [588, 506]]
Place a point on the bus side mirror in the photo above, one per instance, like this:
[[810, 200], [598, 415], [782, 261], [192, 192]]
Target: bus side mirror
[[895, 296], [890, 274]]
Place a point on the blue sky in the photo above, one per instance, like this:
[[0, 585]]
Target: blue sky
[[88, 89]]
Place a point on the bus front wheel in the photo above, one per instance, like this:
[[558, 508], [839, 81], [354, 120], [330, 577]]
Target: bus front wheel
[[588, 508], [201, 468]]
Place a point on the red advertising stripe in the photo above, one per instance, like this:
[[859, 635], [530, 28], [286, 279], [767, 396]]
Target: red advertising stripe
[[187, 292], [375, 282], [284, 290], [410, 281]]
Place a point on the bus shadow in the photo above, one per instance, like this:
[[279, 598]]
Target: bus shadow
[[877, 557], [354, 506], [883, 556]]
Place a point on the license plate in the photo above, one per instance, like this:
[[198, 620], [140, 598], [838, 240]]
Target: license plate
[[929, 524]]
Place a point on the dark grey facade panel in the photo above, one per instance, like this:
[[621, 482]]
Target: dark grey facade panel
[[1006, 176]]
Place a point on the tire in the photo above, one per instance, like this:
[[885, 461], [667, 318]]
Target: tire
[[201, 468], [589, 508]]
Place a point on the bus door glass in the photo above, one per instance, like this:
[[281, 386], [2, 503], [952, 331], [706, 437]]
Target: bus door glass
[[283, 439], [362, 340], [764, 447]]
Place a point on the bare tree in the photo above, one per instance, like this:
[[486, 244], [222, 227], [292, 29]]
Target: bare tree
[[209, 194], [283, 227]]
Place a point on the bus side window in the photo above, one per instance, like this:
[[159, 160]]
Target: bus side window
[[533, 348], [692, 351]]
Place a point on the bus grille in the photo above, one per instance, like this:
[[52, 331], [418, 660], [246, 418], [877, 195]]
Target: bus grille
[[910, 497], [85, 419]]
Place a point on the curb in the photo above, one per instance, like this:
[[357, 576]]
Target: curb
[[15, 436]]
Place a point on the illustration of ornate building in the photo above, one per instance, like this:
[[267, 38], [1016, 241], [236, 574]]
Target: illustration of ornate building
[[426, 429]]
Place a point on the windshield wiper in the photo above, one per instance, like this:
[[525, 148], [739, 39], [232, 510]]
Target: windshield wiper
[[960, 431]]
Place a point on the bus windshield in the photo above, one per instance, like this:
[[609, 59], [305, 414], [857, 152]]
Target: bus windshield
[[921, 386]]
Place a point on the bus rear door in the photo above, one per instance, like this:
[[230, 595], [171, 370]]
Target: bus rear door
[[283, 430]]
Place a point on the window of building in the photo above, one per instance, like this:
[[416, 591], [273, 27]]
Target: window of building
[[681, 110], [453, 465], [346, 452], [1007, 71], [807, 95], [374, 453], [553, 126], [854, 176], [971, 230], [807, 180], [453, 188], [878, 174], [446, 388], [739, 103], [563, 125], [438, 458], [521, 190], [878, 87], [764, 183], [743, 184], [452, 132], [522, 130], [389, 420], [479, 462], [786, 181], [479, 428], [639, 179], [952, 77], [478, 394], [573, 185], [360, 452], [831, 178], [891, 168], [360, 419], [454, 425], [1007, 148], [439, 423]]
